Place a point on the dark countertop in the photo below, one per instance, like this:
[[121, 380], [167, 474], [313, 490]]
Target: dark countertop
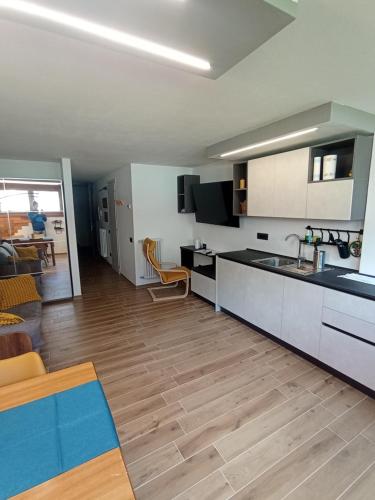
[[328, 279]]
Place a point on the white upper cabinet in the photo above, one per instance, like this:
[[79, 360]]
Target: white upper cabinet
[[291, 177], [330, 200], [261, 175], [277, 185], [281, 185]]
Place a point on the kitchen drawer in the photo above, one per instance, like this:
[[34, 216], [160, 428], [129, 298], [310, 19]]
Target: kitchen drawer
[[349, 324], [350, 356], [351, 305], [203, 286]]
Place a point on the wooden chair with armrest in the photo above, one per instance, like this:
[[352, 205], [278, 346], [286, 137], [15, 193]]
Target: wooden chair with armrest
[[170, 278]]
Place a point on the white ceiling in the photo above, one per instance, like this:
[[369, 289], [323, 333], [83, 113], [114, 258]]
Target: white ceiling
[[63, 97], [220, 31]]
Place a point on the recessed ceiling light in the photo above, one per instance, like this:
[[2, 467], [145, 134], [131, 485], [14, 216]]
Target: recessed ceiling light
[[104, 32], [269, 141]]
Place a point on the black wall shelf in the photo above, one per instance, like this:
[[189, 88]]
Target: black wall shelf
[[185, 201]]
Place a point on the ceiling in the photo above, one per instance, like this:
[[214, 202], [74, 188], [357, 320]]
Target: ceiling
[[221, 32], [66, 97]]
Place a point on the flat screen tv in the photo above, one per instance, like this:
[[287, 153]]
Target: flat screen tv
[[214, 203]]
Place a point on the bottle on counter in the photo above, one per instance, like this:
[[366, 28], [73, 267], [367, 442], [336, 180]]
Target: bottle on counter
[[309, 237]]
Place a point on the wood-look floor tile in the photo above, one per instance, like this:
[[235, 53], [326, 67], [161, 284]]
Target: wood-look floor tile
[[147, 443], [283, 361], [138, 410], [182, 391], [344, 400], [154, 464], [284, 476], [204, 396], [180, 478], [327, 387], [197, 356], [225, 424], [207, 357], [363, 488], [250, 434], [226, 403], [334, 477], [205, 369], [125, 385], [292, 371], [355, 420], [214, 353], [370, 433], [123, 373], [150, 422], [265, 454], [122, 401], [213, 487]]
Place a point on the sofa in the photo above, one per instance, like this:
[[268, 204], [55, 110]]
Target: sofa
[[12, 265], [15, 268], [31, 313]]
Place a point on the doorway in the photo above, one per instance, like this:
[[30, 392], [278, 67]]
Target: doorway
[[33, 236], [107, 225]]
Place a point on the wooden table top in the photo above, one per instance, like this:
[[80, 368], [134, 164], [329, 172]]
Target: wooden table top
[[103, 477]]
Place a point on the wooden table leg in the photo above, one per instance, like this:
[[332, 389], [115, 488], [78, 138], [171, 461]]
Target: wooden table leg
[[53, 253]]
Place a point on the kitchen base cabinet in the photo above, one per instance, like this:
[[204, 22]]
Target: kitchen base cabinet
[[203, 286], [302, 311], [333, 327], [352, 357], [230, 280], [253, 294]]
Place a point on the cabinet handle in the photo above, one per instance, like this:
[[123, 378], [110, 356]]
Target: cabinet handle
[[361, 339]]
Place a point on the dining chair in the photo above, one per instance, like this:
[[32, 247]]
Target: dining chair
[[169, 278], [20, 368]]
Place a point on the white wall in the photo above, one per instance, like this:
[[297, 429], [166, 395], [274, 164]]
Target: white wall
[[24, 169], [66, 171], [226, 238], [124, 219], [155, 212]]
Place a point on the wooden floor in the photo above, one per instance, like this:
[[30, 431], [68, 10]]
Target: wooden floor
[[55, 281], [205, 407]]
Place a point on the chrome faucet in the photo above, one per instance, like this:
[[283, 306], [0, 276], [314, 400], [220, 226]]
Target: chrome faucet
[[300, 259]]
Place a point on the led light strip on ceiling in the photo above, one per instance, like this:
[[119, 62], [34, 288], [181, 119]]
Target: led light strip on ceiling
[[269, 141], [104, 32]]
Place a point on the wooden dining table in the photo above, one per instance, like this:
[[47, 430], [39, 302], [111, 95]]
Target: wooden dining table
[[102, 477]]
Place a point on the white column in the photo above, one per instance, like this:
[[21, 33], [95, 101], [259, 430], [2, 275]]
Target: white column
[[71, 224], [367, 265]]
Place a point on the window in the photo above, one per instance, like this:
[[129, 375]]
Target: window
[[19, 196], [14, 200], [48, 201]]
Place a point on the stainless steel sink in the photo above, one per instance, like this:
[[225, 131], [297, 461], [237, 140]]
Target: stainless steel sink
[[276, 261], [290, 265]]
